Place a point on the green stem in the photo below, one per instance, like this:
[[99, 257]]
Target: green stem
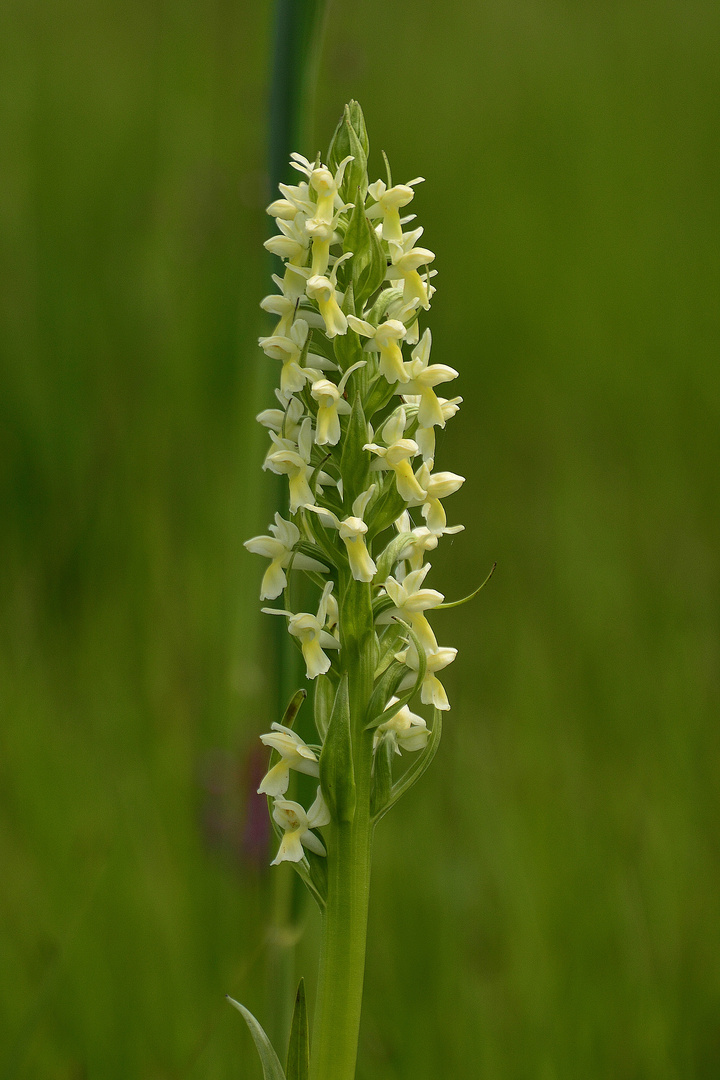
[[349, 850]]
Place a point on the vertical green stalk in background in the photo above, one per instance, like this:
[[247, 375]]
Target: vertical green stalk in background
[[296, 56], [296, 53]]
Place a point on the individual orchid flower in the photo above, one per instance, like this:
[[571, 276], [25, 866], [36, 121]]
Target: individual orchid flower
[[280, 548], [396, 455], [388, 201], [352, 532], [419, 541], [423, 377], [436, 486], [296, 824], [283, 306], [331, 404], [288, 349], [321, 234], [294, 754], [405, 730], [295, 463], [325, 184], [322, 290], [432, 692], [406, 262], [285, 421], [406, 313], [411, 601], [292, 242], [296, 199], [384, 339], [425, 436], [310, 632]]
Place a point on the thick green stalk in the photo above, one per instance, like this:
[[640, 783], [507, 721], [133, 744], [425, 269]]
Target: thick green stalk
[[349, 849]]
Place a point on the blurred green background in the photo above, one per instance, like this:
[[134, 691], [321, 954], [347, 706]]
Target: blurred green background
[[547, 902]]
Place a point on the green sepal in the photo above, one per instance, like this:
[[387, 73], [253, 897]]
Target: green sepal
[[379, 396], [355, 462], [337, 774], [470, 596], [351, 138], [386, 509], [382, 776], [324, 698], [298, 1056], [390, 556], [368, 265], [271, 1067], [416, 769], [388, 296]]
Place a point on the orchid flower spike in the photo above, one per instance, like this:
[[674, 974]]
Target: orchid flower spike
[[350, 304], [355, 458]]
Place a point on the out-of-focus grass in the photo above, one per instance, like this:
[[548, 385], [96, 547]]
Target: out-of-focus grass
[[546, 903]]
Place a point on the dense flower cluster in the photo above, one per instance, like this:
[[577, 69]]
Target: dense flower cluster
[[359, 405]]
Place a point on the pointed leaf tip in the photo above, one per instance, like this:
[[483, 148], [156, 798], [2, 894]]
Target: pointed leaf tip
[[298, 1059], [271, 1067]]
